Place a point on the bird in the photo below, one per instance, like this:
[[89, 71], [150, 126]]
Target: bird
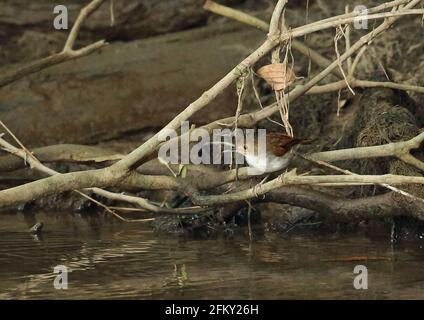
[[277, 154]]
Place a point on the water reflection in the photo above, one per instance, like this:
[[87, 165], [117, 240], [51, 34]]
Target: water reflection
[[109, 259]]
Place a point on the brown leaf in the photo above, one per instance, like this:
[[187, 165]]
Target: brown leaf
[[277, 75]]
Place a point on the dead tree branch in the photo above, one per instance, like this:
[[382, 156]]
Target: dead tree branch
[[291, 178], [245, 18], [400, 150], [345, 209], [355, 83], [143, 203]]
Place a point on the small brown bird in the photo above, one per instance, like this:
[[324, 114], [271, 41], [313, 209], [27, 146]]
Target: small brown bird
[[277, 153]]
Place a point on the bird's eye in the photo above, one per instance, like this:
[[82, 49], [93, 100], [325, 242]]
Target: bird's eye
[[245, 147]]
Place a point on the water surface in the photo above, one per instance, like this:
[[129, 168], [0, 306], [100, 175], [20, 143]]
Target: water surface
[[109, 259]]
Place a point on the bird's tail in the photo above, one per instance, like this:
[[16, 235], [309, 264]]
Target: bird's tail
[[296, 141]]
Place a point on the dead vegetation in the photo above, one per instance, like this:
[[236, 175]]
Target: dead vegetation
[[372, 131]]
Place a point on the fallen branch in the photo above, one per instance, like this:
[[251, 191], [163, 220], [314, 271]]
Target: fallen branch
[[143, 203], [136, 157], [400, 150], [355, 83], [251, 119], [123, 172], [199, 178], [62, 153], [291, 178], [394, 189], [345, 209], [245, 18]]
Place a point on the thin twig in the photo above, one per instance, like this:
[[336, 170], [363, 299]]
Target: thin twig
[[35, 163], [400, 150], [292, 179], [356, 83], [339, 34], [347, 40], [387, 186], [118, 172]]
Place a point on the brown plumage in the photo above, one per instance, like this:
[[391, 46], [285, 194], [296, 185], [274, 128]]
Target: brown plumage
[[277, 155], [279, 144]]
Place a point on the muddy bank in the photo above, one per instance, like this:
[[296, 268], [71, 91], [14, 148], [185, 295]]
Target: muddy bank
[[26, 27], [127, 87]]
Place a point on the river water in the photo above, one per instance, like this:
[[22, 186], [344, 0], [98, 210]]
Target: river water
[[109, 259]]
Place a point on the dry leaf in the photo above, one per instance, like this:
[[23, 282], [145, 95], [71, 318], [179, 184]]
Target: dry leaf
[[277, 75]]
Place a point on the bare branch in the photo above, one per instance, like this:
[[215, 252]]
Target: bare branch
[[83, 15], [355, 83], [245, 18], [68, 53], [137, 156], [400, 150], [345, 209], [143, 203], [291, 178], [123, 171]]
